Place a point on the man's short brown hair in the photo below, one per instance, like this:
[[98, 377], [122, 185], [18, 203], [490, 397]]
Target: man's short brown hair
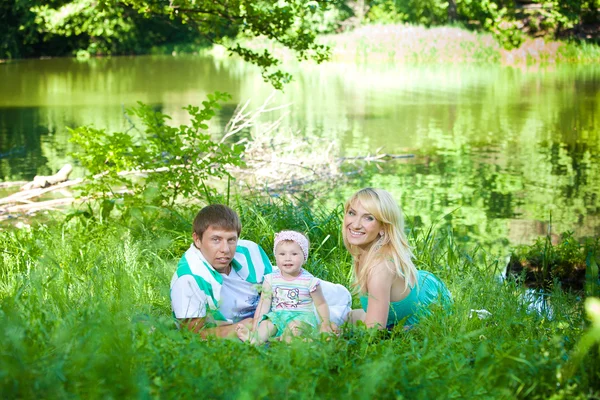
[[218, 216]]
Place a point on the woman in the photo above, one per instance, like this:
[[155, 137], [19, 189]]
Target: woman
[[392, 290]]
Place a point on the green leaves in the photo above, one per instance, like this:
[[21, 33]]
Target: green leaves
[[157, 163], [588, 340], [592, 285]]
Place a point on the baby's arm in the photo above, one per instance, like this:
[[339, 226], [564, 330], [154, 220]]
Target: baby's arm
[[264, 305], [322, 308]]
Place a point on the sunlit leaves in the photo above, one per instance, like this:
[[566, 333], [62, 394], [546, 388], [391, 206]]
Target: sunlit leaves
[[157, 163], [286, 22]]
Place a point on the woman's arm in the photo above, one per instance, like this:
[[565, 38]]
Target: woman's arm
[[322, 308], [264, 305], [379, 287]]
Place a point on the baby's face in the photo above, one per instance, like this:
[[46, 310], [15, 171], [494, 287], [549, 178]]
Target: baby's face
[[289, 258]]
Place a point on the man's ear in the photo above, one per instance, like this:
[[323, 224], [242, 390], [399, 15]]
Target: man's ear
[[195, 237]]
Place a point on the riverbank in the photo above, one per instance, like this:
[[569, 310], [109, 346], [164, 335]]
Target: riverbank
[[413, 44], [418, 44], [84, 312], [404, 43]]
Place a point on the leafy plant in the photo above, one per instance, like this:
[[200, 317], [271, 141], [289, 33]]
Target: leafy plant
[[566, 262], [157, 163], [585, 346]]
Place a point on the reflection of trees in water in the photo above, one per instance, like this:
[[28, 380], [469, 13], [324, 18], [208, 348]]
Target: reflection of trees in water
[[488, 202], [43, 98], [22, 129], [44, 134], [114, 81], [503, 144]]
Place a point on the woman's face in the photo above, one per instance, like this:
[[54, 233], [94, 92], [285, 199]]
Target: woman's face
[[360, 227]]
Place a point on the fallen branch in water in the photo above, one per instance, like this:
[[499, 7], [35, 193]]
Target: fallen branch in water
[[26, 195], [42, 181], [41, 205], [4, 185]]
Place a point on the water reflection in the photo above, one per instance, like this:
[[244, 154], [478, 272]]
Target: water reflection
[[498, 150], [488, 203], [21, 153]]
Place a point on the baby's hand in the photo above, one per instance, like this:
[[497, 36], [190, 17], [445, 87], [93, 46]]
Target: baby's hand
[[328, 327]]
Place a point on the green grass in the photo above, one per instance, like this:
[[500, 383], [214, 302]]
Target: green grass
[[400, 43], [85, 313], [416, 44], [580, 52]]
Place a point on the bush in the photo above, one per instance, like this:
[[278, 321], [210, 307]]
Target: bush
[[568, 262], [158, 163]]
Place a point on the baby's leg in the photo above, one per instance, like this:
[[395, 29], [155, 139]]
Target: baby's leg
[[242, 332], [265, 330]]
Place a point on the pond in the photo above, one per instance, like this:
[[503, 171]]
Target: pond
[[499, 151]]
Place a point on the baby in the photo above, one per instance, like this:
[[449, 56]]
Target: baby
[[286, 303]]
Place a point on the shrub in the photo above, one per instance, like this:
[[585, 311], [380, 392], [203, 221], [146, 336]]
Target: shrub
[[158, 163], [567, 262]]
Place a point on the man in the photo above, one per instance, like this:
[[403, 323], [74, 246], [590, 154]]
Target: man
[[215, 285]]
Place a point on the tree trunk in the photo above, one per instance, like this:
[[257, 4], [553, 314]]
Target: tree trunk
[[452, 10]]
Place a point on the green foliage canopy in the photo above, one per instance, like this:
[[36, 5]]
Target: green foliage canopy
[[58, 27], [132, 26], [508, 20], [284, 21]]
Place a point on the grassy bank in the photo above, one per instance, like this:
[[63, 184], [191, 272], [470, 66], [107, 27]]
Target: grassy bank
[[84, 313], [403, 43], [408, 43]]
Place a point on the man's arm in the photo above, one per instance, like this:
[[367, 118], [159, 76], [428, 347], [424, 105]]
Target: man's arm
[[189, 306], [196, 325]]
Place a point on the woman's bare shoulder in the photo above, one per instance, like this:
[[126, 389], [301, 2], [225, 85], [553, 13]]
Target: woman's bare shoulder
[[384, 264], [383, 270], [386, 271]]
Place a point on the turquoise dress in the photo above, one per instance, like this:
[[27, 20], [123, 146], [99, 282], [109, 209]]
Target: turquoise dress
[[429, 290]]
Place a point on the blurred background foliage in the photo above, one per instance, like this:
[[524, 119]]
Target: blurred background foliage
[[36, 28]]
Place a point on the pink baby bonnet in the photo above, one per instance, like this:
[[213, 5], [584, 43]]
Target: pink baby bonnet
[[295, 237]]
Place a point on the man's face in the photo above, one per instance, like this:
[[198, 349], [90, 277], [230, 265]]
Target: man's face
[[217, 246]]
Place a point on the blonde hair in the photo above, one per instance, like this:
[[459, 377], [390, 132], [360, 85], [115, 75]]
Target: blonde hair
[[393, 245]]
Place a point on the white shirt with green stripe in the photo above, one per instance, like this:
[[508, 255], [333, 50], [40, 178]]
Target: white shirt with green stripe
[[198, 290]]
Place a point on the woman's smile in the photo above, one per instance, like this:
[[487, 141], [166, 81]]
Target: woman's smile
[[362, 228]]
